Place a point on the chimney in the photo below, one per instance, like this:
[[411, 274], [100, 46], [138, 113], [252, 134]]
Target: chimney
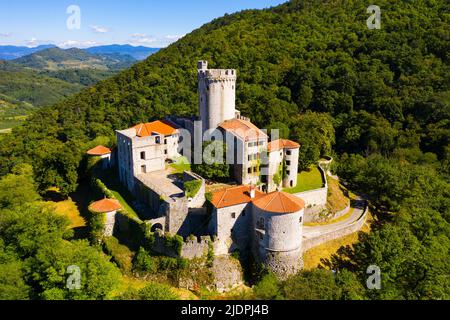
[[252, 192]]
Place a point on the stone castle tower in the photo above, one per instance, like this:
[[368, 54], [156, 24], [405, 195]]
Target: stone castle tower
[[217, 95]]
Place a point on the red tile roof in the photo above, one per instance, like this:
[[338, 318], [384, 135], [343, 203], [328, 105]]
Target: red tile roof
[[243, 129], [233, 196], [105, 205], [99, 151], [280, 202], [155, 127], [279, 144]]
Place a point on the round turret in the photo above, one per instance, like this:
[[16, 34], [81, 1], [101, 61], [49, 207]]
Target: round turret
[[217, 95], [278, 222]]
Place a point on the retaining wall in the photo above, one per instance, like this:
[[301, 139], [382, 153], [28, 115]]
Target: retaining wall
[[335, 234]]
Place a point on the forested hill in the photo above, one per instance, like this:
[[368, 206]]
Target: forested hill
[[303, 55], [377, 100]]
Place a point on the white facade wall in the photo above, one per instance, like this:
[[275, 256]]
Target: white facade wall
[[275, 160], [291, 161], [138, 155], [317, 197]]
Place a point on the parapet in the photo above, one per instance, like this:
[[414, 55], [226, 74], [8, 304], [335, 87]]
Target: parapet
[[218, 74]]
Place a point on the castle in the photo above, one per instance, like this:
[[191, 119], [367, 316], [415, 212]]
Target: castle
[[253, 216]]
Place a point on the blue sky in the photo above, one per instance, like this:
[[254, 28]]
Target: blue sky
[[150, 23]]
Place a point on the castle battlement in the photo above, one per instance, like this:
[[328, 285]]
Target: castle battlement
[[218, 74]]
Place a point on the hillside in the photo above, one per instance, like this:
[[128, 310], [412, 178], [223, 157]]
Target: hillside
[[49, 75], [29, 86], [54, 59], [14, 52], [377, 100]]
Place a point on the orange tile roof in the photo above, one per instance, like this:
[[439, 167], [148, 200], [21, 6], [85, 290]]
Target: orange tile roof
[[279, 144], [99, 151], [280, 202], [157, 127], [233, 196], [105, 205], [243, 129]]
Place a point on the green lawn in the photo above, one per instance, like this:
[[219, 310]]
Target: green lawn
[[121, 193], [181, 164], [307, 180]]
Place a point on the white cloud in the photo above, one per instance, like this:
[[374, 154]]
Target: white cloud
[[98, 29], [5, 35], [138, 35], [76, 44], [33, 42]]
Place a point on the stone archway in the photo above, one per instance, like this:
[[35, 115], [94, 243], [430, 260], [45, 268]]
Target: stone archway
[[157, 226]]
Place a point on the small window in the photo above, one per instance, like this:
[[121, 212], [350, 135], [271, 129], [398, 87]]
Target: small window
[[300, 220], [143, 155], [288, 163], [233, 215], [249, 170], [143, 169], [165, 151], [260, 224], [165, 141], [249, 157], [158, 140], [288, 172], [291, 183], [288, 152]]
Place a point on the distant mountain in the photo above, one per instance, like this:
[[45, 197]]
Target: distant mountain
[[139, 53], [49, 75], [55, 59], [14, 52]]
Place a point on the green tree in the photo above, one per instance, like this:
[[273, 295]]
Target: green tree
[[214, 165]]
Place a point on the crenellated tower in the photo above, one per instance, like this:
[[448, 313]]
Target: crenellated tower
[[217, 95]]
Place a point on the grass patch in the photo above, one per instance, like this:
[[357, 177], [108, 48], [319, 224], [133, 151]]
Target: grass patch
[[337, 196], [342, 218], [314, 256], [192, 187], [109, 178], [69, 209], [307, 180], [180, 165]]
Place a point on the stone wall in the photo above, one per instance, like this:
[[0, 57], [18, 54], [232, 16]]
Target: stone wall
[[199, 199], [192, 248], [335, 234], [196, 247]]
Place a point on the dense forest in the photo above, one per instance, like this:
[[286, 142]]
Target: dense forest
[[377, 100]]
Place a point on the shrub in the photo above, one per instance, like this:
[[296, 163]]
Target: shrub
[[143, 262], [121, 254], [268, 288], [153, 291]]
